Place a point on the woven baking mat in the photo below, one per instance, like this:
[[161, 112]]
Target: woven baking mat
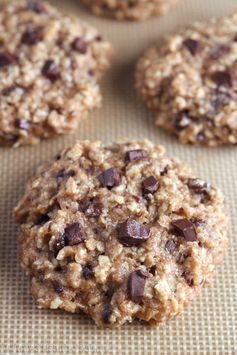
[[209, 325]]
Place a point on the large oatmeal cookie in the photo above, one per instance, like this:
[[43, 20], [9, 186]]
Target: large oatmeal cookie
[[131, 10], [49, 67], [190, 82], [119, 232]]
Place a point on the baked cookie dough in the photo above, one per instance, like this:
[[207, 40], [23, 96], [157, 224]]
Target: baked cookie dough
[[190, 82], [119, 232], [131, 10], [49, 67]]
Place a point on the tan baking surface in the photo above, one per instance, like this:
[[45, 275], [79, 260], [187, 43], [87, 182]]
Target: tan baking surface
[[209, 326]]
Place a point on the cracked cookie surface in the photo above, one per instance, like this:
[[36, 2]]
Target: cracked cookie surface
[[130, 10], [50, 64], [119, 232], [189, 82]]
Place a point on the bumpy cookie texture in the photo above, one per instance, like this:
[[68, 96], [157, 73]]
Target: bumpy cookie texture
[[49, 67], [119, 232], [190, 82], [130, 10]]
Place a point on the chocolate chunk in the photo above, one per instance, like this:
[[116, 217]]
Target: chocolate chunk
[[222, 78], [79, 45], [152, 269], [136, 155], [110, 292], [22, 124], [192, 45], [42, 219], [187, 278], [219, 51], [170, 246], [107, 311], [201, 137], [136, 285], [182, 120], [36, 6], [74, 234], [87, 272], [58, 244], [185, 228], [62, 174], [6, 59], [110, 177], [219, 100], [50, 70], [57, 286], [32, 36], [150, 185], [199, 186], [132, 233]]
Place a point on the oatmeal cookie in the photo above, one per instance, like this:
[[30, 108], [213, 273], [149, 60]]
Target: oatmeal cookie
[[190, 82], [119, 232], [131, 10], [49, 69]]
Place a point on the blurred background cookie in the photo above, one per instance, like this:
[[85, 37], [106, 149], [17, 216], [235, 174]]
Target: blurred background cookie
[[130, 9], [189, 81], [50, 65]]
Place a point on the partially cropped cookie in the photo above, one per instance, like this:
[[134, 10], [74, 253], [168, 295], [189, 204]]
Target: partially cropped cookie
[[120, 232], [135, 10], [190, 82], [50, 64]]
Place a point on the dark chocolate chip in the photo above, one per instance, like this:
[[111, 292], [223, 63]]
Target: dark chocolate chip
[[182, 120], [87, 272], [79, 45], [57, 286], [23, 124], [185, 228], [150, 185], [74, 234], [42, 219], [107, 311], [192, 45], [132, 233], [58, 244], [36, 6], [170, 246], [198, 186], [62, 174], [201, 137], [219, 51], [110, 177], [61, 269], [187, 278], [219, 100], [136, 285], [136, 155], [6, 59], [32, 36], [164, 170], [222, 78], [152, 269], [50, 70]]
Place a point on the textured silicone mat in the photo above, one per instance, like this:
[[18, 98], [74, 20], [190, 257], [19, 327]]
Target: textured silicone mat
[[209, 325]]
